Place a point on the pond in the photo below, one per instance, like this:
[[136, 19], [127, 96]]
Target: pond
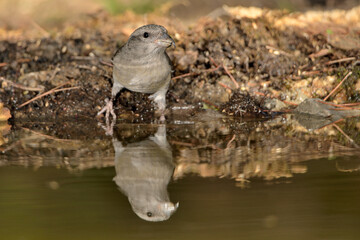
[[207, 177]]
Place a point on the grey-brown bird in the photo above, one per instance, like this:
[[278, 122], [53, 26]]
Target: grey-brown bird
[[143, 171], [142, 65]]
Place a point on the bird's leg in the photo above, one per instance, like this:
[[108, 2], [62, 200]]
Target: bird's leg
[[160, 136], [160, 99], [109, 127], [109, 108]]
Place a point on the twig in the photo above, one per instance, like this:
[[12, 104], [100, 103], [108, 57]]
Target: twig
[[289, 103], [328, 103], [231, 77], [213, 61], [231, 140], [224, 85], [321, 53], [184, 75], [343, 133], [20, 86], [350, 104], [211, 69], [65, 89], [196, 73], [260, 93], [347, 75], [44, 94], [106, 63], [303, 66], [182, 143], [210, 103], [344, 109], [341, 60], [330, 124], [339, 105], [48, 136], [41, 29], [355, 63]]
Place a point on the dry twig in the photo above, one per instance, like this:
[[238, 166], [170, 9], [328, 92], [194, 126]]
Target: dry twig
[[345, 135], [45, 93], [106, 63], [321, 53], [341, 60], [20, 86], [184, 75], [231, 140], [347, 75], [224, 85], [48, 136], [182, 143], [231, 76], [210, 103]]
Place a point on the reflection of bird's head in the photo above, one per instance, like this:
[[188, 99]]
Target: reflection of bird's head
[[154, 211], [150, 38], [143, 171]]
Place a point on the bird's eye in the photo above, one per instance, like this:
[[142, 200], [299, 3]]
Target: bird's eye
[[146, 34], [149, 214]]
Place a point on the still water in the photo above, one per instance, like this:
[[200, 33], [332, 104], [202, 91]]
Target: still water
[[199, 180]]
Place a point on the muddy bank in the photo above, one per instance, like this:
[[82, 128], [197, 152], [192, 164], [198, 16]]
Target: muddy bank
[[266, 54]]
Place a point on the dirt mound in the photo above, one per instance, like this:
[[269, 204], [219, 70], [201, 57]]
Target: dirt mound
[[263, 52]]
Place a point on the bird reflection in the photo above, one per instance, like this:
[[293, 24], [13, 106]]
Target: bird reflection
[[143, 171]]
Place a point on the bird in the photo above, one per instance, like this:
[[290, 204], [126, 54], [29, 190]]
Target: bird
[[143, 171], [142, 65]]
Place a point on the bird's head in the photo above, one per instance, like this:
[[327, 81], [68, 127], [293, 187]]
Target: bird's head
[[150, 38], [154, 211]]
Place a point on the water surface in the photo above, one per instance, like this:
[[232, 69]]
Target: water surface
[[270, 181]]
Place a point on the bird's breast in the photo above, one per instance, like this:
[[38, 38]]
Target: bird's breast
[[146, 77]]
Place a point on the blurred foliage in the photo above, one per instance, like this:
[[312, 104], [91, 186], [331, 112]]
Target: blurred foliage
[[285, 4], [137, 6]]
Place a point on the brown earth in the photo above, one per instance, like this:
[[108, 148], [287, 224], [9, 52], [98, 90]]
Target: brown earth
[[240, 57]]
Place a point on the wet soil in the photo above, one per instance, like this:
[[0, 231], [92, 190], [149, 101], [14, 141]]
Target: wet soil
[[206, 144]]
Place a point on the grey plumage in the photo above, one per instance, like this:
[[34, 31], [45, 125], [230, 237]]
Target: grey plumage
[[142, 65], [143, 171]]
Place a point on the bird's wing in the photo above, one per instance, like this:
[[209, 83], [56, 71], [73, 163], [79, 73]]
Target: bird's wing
[[117, 52], [168, 59]]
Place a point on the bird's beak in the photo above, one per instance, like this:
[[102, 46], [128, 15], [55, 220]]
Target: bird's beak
[[165, 41], [169, 207]]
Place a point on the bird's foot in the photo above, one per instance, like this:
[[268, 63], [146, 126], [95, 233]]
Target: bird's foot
[[162, 118], [108, 109], [160, 115], [109, 128]]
